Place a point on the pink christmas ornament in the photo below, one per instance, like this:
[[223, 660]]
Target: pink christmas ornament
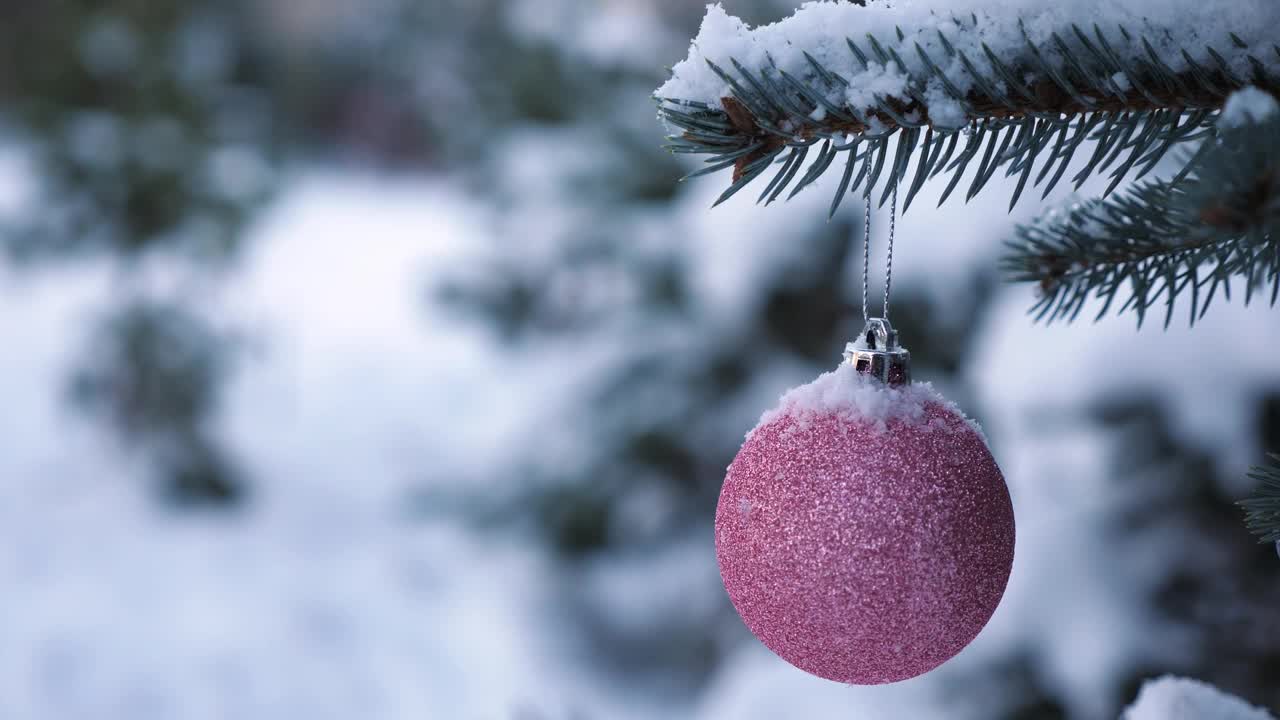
[[864, 532]]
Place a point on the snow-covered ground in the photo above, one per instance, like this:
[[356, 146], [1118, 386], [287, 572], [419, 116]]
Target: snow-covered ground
[[325, 601]]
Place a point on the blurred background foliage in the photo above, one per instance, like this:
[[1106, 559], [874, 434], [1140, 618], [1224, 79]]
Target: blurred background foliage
[[154, 133]]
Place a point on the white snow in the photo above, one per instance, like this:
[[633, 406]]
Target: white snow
[[1174, 698], [326, 599], [846, 393], [1248, 106], [821, 29]]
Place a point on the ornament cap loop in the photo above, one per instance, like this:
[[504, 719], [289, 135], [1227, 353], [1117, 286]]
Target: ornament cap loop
[[876, 352]]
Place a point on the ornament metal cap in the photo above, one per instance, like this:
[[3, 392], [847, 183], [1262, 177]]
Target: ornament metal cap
[[876, 352]]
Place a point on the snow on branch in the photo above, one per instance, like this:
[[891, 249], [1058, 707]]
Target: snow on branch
[[1024, 80], [1174, 698]]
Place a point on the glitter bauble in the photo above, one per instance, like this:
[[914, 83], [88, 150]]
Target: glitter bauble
[[864, 532]]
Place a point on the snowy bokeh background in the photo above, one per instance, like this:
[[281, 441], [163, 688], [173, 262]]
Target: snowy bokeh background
[[366, 360]]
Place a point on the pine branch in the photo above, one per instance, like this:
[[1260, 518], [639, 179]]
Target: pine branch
[[1112, 88], [1262, 511], [1219, 221]]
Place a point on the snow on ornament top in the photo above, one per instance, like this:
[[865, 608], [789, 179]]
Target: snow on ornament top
[[853, 396]]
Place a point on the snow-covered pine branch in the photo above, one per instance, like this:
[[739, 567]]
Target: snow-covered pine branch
[[1022, 83], [1192, 235]]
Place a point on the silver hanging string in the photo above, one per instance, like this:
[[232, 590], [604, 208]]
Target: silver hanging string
[[888, 263], [866, 251]]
